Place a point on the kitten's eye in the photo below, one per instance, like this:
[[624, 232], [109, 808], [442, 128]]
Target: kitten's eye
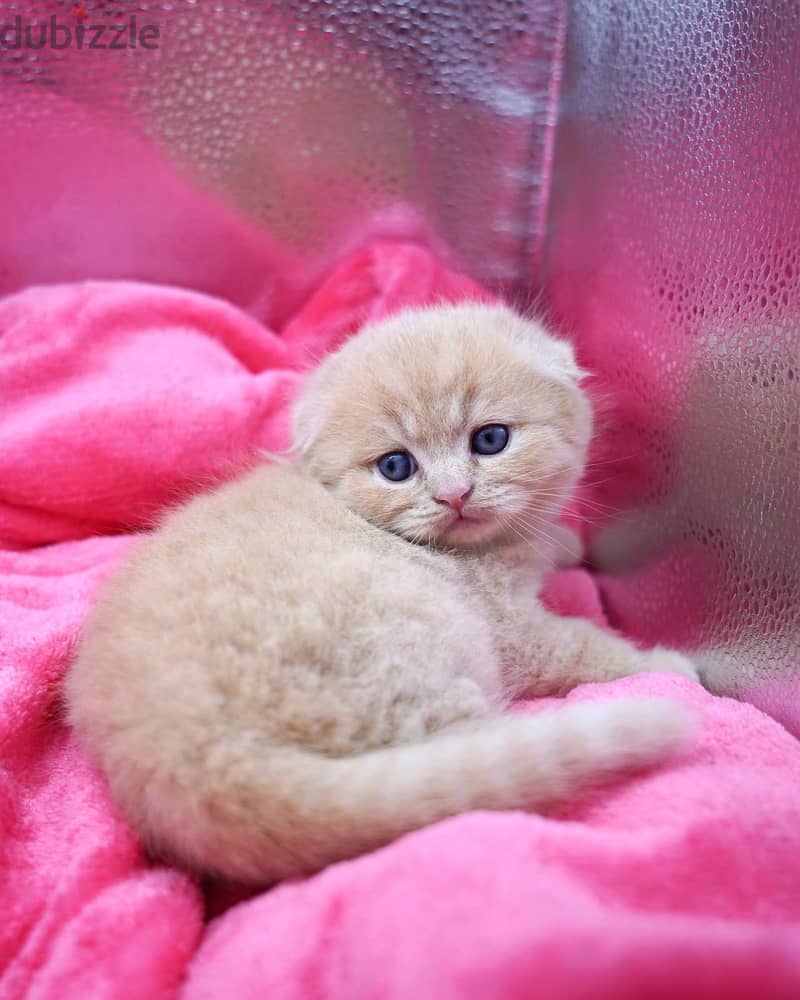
[[489, 440], [397, 466]]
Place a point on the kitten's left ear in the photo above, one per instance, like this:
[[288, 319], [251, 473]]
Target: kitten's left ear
[[565, 361], [556, 355]]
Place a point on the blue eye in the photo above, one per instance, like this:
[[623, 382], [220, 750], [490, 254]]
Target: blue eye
[[397, 466], [489, 440]]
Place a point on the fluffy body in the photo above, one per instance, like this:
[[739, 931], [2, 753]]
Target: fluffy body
[[312, 660]]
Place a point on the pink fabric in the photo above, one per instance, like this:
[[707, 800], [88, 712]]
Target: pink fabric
[[117, 399]]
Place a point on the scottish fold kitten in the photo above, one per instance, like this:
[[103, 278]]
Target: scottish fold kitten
[[312, 660]]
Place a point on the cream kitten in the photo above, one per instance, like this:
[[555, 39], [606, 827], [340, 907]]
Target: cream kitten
[[289, 671]]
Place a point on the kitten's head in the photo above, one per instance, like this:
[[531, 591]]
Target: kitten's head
[[457, 425]]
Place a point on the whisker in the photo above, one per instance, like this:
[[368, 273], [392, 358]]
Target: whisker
[[510, 524], [576, 496], [541, 529], [591, 483], [537, 532], [596, 462]]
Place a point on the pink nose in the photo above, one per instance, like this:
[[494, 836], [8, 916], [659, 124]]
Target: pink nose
[[453, 496]]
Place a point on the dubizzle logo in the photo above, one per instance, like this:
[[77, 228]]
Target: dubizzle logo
[[79, 34]]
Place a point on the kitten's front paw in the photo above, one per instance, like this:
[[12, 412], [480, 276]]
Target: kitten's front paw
[[660, 660]]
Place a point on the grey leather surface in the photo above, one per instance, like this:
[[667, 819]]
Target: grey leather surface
[[293, 130], [673, 257]]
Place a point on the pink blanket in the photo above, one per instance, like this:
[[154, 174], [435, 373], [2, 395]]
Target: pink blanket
[[116, 399]]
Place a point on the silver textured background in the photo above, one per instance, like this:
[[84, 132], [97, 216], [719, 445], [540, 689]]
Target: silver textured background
[[264, 141], [305, 126], [674, 258]]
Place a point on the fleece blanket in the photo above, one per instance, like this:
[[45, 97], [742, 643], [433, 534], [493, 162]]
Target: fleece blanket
[[117, 399]]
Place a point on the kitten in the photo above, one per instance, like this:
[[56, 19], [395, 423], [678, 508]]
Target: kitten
[[312, 660]]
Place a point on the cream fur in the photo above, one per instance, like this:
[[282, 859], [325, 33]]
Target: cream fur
[[279, 677]]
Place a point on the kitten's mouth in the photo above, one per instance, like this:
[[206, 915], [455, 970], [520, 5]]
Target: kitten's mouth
[[465, 524]]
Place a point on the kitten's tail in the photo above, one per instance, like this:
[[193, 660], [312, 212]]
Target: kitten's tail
[[287, 811]]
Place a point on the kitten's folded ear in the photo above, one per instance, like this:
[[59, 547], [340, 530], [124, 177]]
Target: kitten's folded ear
[[567, 363], [309, 410], [306, 422], [559, 355]]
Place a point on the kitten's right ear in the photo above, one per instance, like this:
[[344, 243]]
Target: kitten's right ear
[[305, 426], [308, 413]]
